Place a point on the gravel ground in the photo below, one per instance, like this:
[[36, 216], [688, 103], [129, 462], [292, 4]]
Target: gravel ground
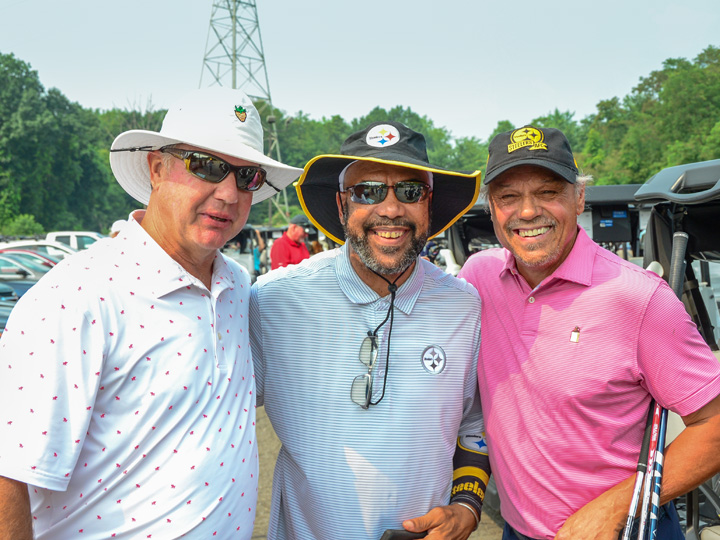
[[269, 445]]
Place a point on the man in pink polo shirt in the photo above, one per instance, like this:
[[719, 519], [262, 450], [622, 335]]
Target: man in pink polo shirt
[[575, 344]]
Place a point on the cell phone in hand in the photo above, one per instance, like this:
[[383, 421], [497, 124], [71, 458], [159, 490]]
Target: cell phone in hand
[[401, 534]]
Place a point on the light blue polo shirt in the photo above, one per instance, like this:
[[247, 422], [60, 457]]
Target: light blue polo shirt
[[346, 472]]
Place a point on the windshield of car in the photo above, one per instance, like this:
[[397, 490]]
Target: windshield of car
[[28, 261]]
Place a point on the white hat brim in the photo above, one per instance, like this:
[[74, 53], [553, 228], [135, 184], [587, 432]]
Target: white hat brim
[[130, 167]]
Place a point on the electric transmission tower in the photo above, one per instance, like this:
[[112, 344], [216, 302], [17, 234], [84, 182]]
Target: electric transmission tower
[[234, 57]]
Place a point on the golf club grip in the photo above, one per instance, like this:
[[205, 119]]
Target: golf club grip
[[677, 262], [643, 459]]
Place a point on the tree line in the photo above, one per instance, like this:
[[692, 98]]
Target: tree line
[[55, 172]]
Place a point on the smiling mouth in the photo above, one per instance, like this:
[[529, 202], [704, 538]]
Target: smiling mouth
[[389, 234], [221, 220], [530, 233]]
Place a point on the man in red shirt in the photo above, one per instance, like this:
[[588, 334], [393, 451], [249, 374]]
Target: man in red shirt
[[290, 247]]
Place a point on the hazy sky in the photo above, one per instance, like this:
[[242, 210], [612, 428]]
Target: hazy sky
[[467, 64]]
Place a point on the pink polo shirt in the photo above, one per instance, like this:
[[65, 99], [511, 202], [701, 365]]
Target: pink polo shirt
[[566, 373]]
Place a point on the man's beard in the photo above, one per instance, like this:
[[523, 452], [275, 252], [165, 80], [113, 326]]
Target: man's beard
[[360, 245]]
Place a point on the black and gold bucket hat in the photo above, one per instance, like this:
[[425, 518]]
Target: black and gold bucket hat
[[392, 143]]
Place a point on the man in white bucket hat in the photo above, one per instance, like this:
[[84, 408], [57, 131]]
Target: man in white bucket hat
[[127, 393]]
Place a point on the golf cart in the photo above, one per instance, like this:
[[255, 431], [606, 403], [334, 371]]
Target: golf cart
[[687, 199]]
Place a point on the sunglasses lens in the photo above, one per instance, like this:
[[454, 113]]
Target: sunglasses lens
[[410, 192], [368, 192], [369, 351], [375, 192], [206, 167], [361, 390], [250, 178]]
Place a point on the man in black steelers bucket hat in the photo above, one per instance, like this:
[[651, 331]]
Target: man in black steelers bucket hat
[[377, 433]]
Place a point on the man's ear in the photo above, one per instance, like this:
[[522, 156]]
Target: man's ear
[[338, 199], [155, 166], [580, 200]]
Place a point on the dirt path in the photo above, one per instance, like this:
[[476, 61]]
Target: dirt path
[[269, 446]]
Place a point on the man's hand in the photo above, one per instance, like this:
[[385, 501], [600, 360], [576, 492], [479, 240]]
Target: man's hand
[[602, 518], [452, 522], [590, 524]]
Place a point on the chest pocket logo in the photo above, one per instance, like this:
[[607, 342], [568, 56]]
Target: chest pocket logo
[[433, 359]]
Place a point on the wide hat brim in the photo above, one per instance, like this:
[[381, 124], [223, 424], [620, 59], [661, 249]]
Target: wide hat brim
[[132, 173], [454, 193]]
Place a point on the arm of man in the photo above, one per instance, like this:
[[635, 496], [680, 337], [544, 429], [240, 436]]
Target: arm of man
[[471, 469], [470, 477], [691, 459], [256, 345], [15, 520]]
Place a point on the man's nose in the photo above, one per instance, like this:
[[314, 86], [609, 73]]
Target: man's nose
[[227, 189], [391, 207], [530, 207]]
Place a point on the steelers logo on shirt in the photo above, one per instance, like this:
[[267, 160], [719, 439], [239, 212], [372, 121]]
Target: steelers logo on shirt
[[433, 359]]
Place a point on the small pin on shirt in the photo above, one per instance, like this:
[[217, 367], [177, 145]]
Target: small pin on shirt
[[575, 335]]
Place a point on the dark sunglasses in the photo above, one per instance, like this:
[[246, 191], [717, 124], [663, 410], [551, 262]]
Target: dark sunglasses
[[362, 386], [408, 191], [213, 169]]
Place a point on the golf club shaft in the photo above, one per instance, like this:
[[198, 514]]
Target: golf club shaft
[[676, 279], [657, 476], [647, 484], [641, 471]]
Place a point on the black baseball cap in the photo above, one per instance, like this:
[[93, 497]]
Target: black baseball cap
[[543, 147], [301, 220]]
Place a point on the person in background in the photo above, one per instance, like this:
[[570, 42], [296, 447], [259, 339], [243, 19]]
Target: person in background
[[258, 249], [127, 397], [576, 343], [290, 248], [376, 433]]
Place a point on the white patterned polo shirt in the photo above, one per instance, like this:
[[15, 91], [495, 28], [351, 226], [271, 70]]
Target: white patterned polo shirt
[[127, 397]]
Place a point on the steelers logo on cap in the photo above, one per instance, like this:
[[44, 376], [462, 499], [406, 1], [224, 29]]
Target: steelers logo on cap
[[527, 137], [382, 135]]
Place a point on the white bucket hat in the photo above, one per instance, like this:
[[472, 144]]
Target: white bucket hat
[[219, 120]]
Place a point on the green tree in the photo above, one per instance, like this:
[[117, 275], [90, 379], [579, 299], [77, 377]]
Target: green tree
[[22, 225], [576, 133]]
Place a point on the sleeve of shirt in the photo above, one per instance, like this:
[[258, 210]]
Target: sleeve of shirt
[[471, 465], [256, 345], [674, 362], [52, 361]]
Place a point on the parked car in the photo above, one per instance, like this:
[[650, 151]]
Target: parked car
[[75, 239], [11, 268], [30, 263], [5, 309], [20, 286], [47, 261], [7, 293], [45, 247]]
